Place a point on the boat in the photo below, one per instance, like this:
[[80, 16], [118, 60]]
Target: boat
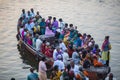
[[93, 73]]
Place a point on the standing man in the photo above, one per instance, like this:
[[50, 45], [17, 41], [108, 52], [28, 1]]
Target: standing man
[[106, 47], [42, 69]]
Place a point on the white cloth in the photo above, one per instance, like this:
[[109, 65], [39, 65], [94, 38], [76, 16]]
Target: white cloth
[[54, 54], [38, 44], [61, 25], [65, 57], [60, 64], [62, 46], [21, 30], [75, 57]]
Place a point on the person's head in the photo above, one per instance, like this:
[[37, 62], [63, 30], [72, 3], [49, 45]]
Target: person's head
[[31, 70], [12, 78], [56, 67], [96, 46], [37, 12], [49, 17], [106, 37], [88, 36], [54, 18], [71, 25], [43, 19], [66, 25], [60, 20], [47, 44], [23, 11], [110, 76], [28, 13], [58, 49], [43, 59], [32, 10], [44, 41]]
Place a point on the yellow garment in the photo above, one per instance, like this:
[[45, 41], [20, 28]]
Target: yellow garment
[[57, 77], [36, 28], [65, 40], [105, 55]]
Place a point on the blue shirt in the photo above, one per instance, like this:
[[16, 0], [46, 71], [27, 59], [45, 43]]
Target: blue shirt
[[32, 76]]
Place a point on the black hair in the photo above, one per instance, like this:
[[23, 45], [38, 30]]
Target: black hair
[[12, 78]]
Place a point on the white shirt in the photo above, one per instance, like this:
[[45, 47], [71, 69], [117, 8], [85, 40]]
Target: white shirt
[[60, 64], [42, 67], [38, 44], [65, 57], [61, 25], [62, 46], [54, 54]]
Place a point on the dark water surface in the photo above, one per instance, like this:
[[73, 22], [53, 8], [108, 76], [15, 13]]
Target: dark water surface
[[95, 17]]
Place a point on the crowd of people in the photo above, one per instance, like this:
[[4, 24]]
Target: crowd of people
[[71, 52]]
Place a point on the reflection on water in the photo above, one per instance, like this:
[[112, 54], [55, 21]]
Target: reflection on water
[[95, 17]]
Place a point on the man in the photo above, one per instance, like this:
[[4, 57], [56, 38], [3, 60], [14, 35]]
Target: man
[[32, 75], [62, 45], [59, 63], [106, 47], [38, 43], [42, 69], [57, 52], [61, 24]]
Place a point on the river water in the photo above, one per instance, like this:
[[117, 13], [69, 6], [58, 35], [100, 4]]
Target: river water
[[95, 17]]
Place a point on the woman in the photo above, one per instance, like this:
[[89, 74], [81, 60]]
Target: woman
[[106, 47]]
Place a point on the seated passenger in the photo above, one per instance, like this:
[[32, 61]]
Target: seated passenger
[[48, 32], [96, 63], [59, 63]]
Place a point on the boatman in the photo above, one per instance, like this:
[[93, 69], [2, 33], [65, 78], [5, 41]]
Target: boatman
[[106, 47]]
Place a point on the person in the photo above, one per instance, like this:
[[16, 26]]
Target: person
[[57, 52], [61, 24], [38, 43], [65, 57], [110, 77], [32, 75], [28, 26], [54, 24], [12, 78], [62, 45], [48, 31], [48, 21], [106, 47], [32, 12], [42, 26], [48, 50], [42, 69], [59, 63], [75, 56], [23, 13], [43, 45], [56, 73]]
